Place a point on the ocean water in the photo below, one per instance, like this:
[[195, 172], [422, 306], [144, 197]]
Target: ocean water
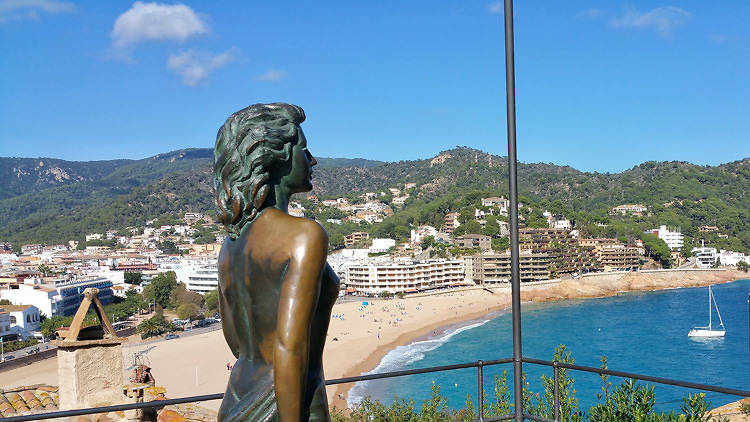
[[644, 333]]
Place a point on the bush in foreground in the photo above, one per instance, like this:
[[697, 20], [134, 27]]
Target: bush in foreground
[[629, 401]]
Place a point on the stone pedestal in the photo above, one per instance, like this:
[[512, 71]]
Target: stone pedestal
[[89, 373]]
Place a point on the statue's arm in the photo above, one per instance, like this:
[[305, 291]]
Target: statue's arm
[[227, 325], [297, 303], [227, 317]]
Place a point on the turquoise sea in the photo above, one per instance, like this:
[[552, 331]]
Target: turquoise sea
[[644, 333]]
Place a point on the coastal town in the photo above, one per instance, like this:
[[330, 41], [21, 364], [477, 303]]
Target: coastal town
[[38, 282]]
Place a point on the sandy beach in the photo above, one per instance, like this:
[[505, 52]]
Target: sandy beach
[[359, 336]]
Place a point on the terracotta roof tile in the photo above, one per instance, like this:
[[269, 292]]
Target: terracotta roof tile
[[30, 399]]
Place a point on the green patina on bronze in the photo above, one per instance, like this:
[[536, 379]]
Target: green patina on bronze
[[276, 290]]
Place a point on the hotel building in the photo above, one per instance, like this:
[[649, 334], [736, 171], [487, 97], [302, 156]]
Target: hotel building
[[565, 254], [673, 239], [409, 277], [351, 239], [495, 268]]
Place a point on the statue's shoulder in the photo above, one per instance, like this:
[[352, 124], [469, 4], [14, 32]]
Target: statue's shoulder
[[299, 226]]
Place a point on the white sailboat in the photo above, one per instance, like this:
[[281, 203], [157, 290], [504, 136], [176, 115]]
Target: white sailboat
[[709, 331]]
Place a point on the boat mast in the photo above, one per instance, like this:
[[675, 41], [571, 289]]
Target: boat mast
[[709, 307]]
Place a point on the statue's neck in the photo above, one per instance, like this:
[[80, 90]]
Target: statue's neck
[[278, 198]]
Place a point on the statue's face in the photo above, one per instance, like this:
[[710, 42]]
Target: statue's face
[[299, 178]]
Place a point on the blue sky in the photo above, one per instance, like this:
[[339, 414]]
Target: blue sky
[[601, 86]]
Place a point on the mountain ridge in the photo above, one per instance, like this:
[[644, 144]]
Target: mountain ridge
[[130, 191]]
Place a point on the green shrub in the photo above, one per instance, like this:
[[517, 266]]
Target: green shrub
[[629, 401]]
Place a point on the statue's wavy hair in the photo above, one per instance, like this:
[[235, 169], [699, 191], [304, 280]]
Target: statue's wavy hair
[[250, 144]]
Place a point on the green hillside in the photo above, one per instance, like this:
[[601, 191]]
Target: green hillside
[[677, 194]]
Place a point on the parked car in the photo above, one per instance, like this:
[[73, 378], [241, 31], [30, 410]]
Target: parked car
[[170, 336]]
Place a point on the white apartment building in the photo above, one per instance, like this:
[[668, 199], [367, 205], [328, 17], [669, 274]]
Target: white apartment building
[[732, 258], [381, 245], [42, 297], [501, 203], [421, 232], [704, 257], [61, 297], [70, 293], [394, 277], [636, 209], [200, 276], [24, 320], [561, 224], [5, 331], [673, 239]]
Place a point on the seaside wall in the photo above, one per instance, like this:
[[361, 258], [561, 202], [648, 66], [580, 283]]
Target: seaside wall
[[608, 284]]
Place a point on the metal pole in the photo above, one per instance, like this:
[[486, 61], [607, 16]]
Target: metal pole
[[510, 99], [556, 370], [480, 386], [748, 331]]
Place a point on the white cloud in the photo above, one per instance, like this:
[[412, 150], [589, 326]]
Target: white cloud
[[156, 22], [28, 9], [718, 38], [496, 6], [591, 13], [194, 66], [662, 19], [272, 76]]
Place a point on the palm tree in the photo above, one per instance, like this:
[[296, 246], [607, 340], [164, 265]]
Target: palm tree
[[149, 328]]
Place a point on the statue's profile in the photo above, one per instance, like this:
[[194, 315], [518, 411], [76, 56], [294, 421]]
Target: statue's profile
[[276, 290]]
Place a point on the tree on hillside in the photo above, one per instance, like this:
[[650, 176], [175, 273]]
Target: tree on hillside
[[500, 244], [491, 228], [472, 227], [427, 241], [657, 249], [168, 247]]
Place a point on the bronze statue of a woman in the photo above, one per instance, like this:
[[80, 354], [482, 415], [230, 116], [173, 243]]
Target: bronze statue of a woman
[[276, 290]]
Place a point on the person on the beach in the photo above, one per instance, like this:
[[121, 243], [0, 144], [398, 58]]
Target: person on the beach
[[276, 290]]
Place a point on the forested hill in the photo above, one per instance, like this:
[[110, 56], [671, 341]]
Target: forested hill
[[115, 194], [51, 201], [469, 169], [27, 175]]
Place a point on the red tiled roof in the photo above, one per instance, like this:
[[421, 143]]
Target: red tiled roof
[[26, 400]]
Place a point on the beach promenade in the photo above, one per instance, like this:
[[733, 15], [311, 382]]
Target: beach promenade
[[360, 335]]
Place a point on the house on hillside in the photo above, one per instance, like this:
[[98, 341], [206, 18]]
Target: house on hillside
[[473, 241]]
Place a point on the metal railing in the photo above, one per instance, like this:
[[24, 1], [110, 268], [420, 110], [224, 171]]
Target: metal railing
[[480, 365]]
